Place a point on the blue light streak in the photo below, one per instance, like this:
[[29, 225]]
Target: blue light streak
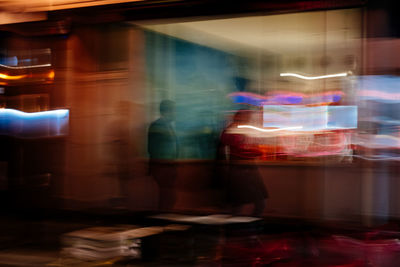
[[59, 113], [35, 124]]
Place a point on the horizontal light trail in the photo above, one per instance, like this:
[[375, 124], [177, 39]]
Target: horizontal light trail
[[343, 74], [270, 130], [25, 67]]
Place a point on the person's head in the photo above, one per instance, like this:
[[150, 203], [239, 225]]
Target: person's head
[[167, 110]]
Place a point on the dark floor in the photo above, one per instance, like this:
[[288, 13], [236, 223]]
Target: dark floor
[[34, 238]]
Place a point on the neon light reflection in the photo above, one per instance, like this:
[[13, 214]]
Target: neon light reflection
[[36, 124], [285, 98]]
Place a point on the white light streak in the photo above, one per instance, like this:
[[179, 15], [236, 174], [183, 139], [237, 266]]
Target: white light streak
[[270, 130], [25, 67], [33, 115], [343, 74]]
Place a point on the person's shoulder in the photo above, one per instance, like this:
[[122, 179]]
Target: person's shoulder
[[157, 124]]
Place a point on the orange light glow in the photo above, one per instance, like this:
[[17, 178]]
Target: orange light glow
[[11, 77], [51, 75]]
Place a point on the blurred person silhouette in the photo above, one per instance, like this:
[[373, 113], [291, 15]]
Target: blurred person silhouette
[[240, 175], [163, 152], [120, 136]]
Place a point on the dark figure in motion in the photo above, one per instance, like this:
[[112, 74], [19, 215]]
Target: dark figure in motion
[[163, 151], [243, 182]]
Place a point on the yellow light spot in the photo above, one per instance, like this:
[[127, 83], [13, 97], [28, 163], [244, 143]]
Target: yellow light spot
[[51, 75], [11, 77]]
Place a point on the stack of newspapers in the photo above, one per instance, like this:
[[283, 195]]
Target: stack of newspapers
[[102, 243]]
